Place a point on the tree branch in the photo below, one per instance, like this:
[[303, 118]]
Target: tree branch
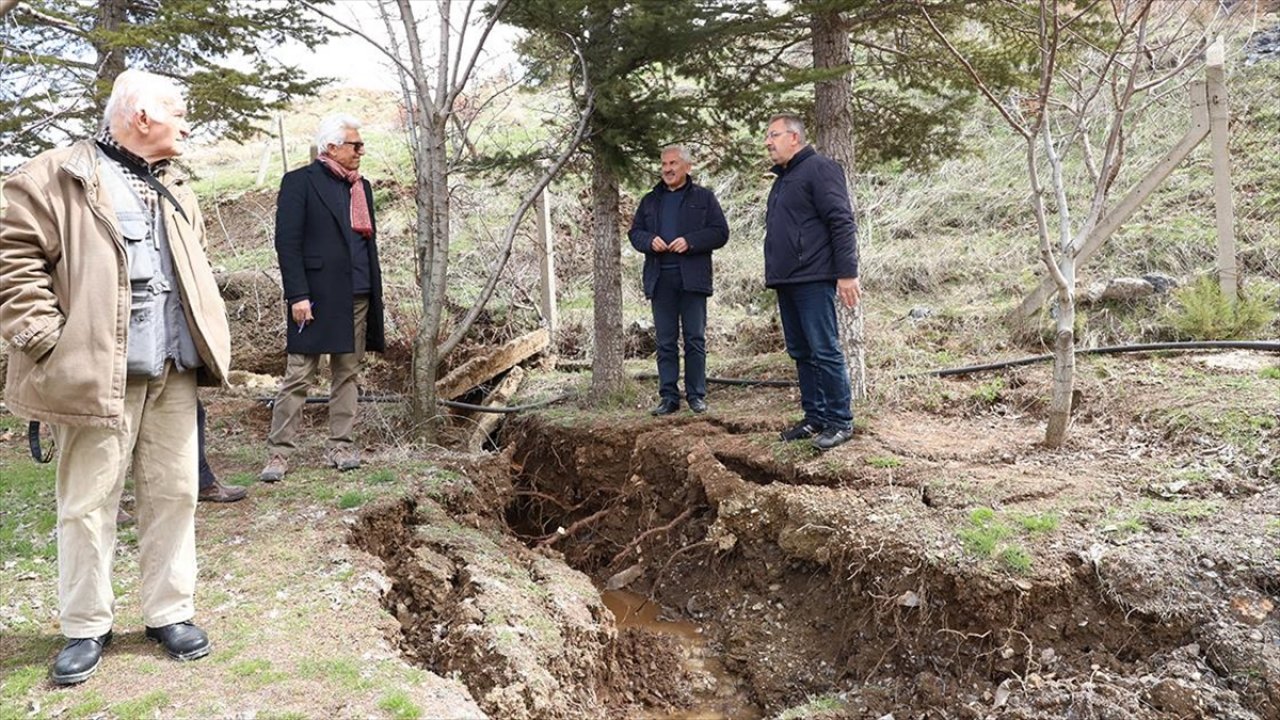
[[579, 136], [977, 79]]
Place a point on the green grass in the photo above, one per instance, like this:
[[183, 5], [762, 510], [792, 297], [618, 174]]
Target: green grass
[[398, 705], [884, 463], [1270, 373], [353, 499], [381, 476], [1016, 559], [1040, 522], [142, 707], [988, 393], [813, 706], [342, 671], [91, 704], [984, 533], [257, 673]]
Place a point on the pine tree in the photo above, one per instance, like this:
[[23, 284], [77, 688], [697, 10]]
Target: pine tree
[[60, 58]]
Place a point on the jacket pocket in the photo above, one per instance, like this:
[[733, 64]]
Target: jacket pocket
[[312, 263]]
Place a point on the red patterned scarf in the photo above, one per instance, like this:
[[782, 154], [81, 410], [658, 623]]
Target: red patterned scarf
[[360, 219]]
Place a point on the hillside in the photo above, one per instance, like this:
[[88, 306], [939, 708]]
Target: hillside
[[602, 563]]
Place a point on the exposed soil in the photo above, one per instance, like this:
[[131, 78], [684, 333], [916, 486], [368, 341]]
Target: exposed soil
[[1134, 574]]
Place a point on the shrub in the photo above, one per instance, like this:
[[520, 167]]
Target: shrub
[[1202, 313]]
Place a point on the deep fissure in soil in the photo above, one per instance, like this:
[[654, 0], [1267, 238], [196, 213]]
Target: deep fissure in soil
[[808, 578]]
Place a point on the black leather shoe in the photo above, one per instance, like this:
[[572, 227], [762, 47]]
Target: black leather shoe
[[78, 660], [219, 493], [698, 405], [832, 437], [801, 431], [183, 641], [666, 407]]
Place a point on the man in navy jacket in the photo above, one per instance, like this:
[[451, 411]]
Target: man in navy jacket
[[810, 259], [677, 225], [326, 244]]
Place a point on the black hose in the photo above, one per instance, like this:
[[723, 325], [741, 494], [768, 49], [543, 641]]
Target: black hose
[[1258, 345]]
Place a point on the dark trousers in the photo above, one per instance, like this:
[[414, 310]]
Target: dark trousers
[[674, 310], [812, 336], [207, 478]]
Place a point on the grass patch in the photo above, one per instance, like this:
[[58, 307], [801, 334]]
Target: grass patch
[[91, 704], [381, 476], [398, 704], [343, 672], [145, 706], [1270, 373], [884, 463], [353, 499], [1040, 522], [988, 393], [1016, 559], [257, 673], [984, 532], [813, 706]]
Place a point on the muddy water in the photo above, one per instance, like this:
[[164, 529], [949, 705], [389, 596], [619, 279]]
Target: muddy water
[[717, 693]]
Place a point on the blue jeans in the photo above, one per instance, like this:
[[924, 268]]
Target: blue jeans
[[809, 327], [675, 310]]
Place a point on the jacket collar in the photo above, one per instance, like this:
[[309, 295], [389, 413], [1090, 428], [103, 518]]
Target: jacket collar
[[800, 156], [82, 164]]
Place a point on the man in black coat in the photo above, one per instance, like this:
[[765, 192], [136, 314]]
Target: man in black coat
[[810, 259], [677, 226], [326, 246]]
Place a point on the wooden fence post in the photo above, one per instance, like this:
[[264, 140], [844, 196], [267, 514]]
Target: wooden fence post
[[1226, 214]]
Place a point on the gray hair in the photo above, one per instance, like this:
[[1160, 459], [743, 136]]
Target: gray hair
[[138, 91], [684, 152], [333, 131], [791, 122]]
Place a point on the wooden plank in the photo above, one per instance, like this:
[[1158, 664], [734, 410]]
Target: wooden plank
[[1218, 141], [479, 369], [1130, 203], [488, 422]]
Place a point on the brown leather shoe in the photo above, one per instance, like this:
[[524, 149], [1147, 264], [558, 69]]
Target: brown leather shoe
[[342, 457], [219, 493], [275, 469]]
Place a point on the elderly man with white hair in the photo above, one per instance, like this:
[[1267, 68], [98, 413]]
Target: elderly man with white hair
[[326, 245], [113, 316]]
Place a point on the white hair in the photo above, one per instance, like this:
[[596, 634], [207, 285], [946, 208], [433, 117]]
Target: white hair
[[333, 131], [138, 91], [684, 152]]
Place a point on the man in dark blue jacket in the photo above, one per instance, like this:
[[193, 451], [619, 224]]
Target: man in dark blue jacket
[[326, 242], [810, 259], [677, 225]]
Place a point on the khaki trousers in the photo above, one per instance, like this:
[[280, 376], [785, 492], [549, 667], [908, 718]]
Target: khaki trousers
[[344, 394], [158, 434]]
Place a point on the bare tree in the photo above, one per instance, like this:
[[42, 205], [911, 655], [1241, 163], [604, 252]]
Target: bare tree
[[432, 87], [1114, 44]]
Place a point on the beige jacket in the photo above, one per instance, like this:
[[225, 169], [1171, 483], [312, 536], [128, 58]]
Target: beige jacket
[[64, 290]]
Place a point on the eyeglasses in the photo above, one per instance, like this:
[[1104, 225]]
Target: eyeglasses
[[357, 146], [776, 133]]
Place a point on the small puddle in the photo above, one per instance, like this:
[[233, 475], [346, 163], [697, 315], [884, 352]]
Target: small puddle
[[720, 697]]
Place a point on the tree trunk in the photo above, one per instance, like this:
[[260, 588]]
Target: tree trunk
[[833, 135], [1064, 359], [432, 199], [606, 364], [111, 60]]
